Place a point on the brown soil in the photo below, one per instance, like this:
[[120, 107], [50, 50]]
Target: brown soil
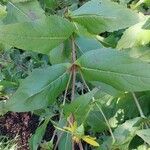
[[21, 124]]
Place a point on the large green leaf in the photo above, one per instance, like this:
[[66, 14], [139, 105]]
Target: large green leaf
[[21, 12], [37, 137], [134, 36], [39, 90], [116, 69], [103, 15], [145, 135], [41, 35]]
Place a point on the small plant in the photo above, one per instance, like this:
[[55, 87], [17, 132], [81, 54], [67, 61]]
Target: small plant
[[98, 78]]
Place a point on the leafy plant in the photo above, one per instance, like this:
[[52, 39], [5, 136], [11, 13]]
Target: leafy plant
[[98, 71]]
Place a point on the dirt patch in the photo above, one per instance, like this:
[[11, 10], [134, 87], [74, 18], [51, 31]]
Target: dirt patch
[[21, 124]]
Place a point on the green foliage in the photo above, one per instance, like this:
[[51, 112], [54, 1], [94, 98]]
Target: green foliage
[[116, 69], [41, 35], [145, 135], [96, 17], [21, 12], [147, 24], [38, 136], [134, 36], [80, 107], [36, 94], [85, 62]]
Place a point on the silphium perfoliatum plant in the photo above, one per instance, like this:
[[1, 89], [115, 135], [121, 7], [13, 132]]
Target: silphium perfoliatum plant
[[79, 41]]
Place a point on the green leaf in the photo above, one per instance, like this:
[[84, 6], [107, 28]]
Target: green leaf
[[134, 36], [18, 1], [142, 53], [21, 12], [95, 118], [80, 106], [86, 44], [2, 11], [145, 135], [103, 15], [126, 104], [147, 24], [47, 145], [61, 53], [51, 3], [37, 137], [123, 134], [40, 89], [142, 147], [41, 35], [140, 2], [116, 69], [65, 142], [107, 88]]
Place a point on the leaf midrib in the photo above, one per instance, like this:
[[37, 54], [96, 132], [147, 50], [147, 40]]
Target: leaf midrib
[[34, 37], [110, 72], [92, 15]]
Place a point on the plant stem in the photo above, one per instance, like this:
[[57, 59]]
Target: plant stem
[[138, 105], [73, 67], [100, 109], [61, 114], [84, 82], [113, 137], [58, 141], [65, 95], [80, 146]]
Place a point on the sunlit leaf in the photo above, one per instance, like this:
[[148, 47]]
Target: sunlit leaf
[[21, 12], [90, 140], [41, 35], [144, 134], [134, 36], [96, 17]]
